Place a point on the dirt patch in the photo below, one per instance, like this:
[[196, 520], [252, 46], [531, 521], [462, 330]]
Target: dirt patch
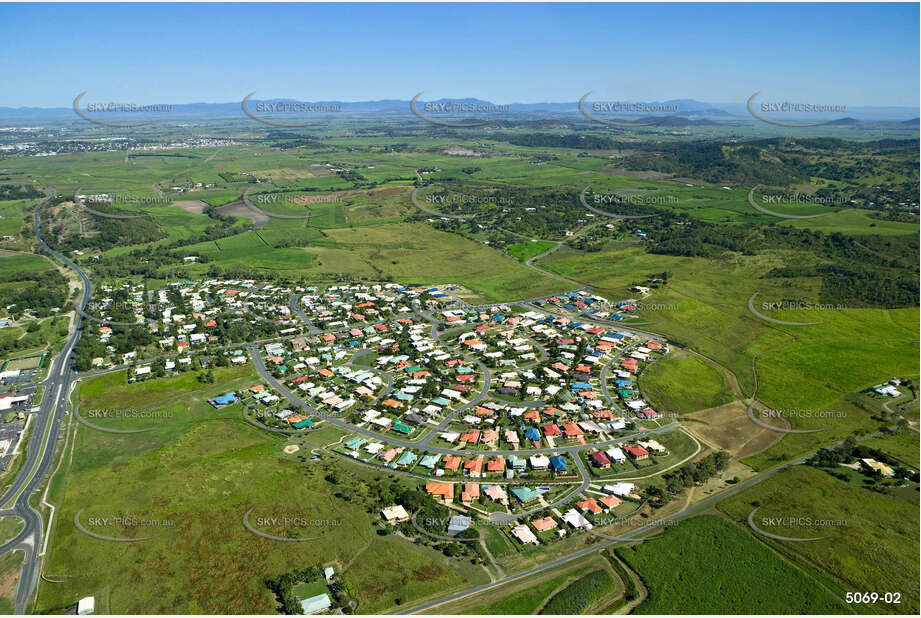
[[194, 206], [645, 175], [290, 173], [728, 427], [239, 209], [8, 582]]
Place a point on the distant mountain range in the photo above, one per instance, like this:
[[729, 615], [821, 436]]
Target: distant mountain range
[[689, 111]]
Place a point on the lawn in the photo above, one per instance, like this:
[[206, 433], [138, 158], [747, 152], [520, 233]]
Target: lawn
[[721, 569], [307, 590]]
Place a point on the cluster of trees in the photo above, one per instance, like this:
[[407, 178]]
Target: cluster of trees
[[850, 450], [35, 292], [283, 587], [688, 475], [855, 272], [555, 140], [19, 192]]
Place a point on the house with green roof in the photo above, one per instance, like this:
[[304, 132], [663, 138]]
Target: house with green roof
[[430, 461], [408, 458], [355, 443], [402, 428], [525, 494], [316, 604]]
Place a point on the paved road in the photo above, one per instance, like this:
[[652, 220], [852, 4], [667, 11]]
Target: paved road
[[41, 448], [635, 534], [295, 304]]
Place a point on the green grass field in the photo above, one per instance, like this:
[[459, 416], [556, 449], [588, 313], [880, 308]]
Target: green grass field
[[721, 569], [705, 307], [579, 595], [196, 473], [10, 527], [524, 251], [902, 444], [9, 571], [682, 383], [874, 549]]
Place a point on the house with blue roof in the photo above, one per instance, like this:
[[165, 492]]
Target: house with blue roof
[[532, 433], [559, 463], [223, 400]]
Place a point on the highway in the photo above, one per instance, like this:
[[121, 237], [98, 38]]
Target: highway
[[47, 426], [40, 451]]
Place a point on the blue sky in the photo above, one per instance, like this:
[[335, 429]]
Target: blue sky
[[852, 54]]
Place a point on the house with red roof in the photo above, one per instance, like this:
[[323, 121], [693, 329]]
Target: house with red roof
[[496, 465], [543, 524], [600, 460], [445, 491], [452, 463], [636, 451], [474, 467], [590, 506], [470, 493], [609, 501], [572, 430]]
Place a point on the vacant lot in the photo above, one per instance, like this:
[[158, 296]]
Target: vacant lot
[[683, 383], [728, 427]]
